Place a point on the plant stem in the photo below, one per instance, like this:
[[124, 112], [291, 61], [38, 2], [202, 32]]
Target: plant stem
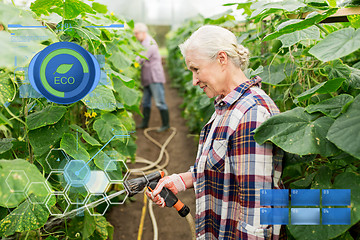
[[322, 28], [63, 17], [15, 117], [47, 25], [88, 38], [25, 113], [66, 230], [16, 157], [27, 235]]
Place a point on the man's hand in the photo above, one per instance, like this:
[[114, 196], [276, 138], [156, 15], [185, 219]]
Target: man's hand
[[173, 182]]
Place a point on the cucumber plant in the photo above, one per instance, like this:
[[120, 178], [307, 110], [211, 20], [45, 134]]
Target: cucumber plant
[[32, 129]]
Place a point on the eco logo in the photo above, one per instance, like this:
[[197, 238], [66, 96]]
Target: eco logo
[[64, 72]]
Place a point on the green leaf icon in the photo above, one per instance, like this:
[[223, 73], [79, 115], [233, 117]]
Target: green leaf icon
[[63, 68]]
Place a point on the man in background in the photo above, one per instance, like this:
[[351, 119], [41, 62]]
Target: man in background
[[152, 78]]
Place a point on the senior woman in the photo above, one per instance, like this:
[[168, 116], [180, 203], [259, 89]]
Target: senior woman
[[230, 167]]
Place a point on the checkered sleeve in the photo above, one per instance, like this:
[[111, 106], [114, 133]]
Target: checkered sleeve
[[252, 166]]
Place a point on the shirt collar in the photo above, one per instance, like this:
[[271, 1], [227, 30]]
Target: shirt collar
[[222, 103]]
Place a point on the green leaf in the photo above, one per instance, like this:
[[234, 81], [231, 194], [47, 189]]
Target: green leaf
[[354, 20], [246, 7], [101, 160], [102, 227], [204, 101], [44, 6], [47, 116], [91, 34], [129, 82], [322, 178], [63, 68], [295, 37], [319, 4], [14, 44], [26, 217], [344, 180], [100, 98], [336, 69], [131, 24], [357, 65], [100, 8], [15, 175], [120, 60], [7, 89], [53, 133], [5, 144], [325, 87], [86, 136], [73, 8], [298, 132], [304, 182], [51, 238], [332, 3], [125, 148], [73, 148], [332, 107], [85, 226], [289, 5], [292, 171], [5, 120], [127, 120], [354, 81], [345, 236], [242, 37], [250, 73], [273, 74], [107, 125], [337, 44], [344, 133], [110, 230], [295, 159], [308, 22], [129, 96]]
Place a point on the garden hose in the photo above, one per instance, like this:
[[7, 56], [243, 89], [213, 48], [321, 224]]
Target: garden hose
[[142, 220], [153, 220], [152, 167]]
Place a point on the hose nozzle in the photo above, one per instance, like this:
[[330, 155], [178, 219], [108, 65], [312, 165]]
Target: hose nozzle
[[136, 185]]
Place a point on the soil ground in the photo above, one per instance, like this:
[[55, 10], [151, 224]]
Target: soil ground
[[182, 150]]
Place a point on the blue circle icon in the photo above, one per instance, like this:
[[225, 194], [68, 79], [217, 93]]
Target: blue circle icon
[[77, 173], [64, 72]]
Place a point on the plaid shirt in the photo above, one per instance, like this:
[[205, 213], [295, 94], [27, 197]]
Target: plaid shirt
[[231, 168]]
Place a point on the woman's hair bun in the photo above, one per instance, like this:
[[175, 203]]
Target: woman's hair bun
[[208, 40]]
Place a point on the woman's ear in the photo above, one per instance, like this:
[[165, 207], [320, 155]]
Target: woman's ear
[[222, 57]]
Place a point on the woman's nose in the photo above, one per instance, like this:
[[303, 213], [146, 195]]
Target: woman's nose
[[195, 80]]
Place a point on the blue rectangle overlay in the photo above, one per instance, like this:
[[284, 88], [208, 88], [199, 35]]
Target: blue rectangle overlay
[[305, 197], [305, 216], [274, 197], [274, 216], [336, 197], [335, 216]]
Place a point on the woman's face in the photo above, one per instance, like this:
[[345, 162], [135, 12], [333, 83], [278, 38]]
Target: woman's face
[[207, 74]]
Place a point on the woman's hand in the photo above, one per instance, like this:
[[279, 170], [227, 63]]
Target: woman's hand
[[174, 183]]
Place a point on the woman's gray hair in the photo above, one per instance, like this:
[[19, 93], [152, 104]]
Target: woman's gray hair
[[209, 40], [141, 27]]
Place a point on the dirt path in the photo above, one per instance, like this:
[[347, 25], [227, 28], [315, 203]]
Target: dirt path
[[182, 151]]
